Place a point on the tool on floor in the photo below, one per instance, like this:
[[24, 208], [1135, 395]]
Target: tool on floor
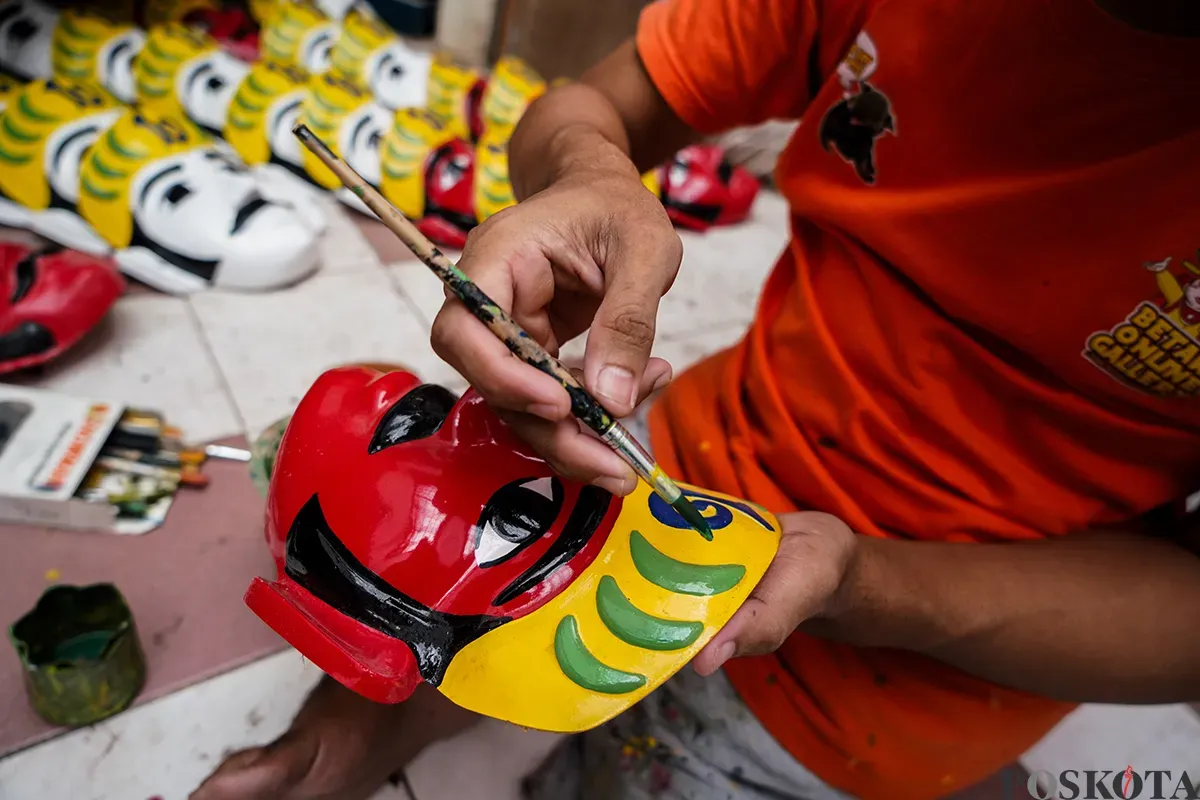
[[583, 405], [80, 652]]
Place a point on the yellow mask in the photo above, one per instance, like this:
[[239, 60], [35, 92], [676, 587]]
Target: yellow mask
[[263, 111], [451, 85], [369, 54], [493, 191], [299, 34], [94, 49], [638, 614], [511, 87], [45, 129], [414, 135], [349, 121]]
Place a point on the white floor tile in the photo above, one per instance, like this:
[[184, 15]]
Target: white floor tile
[[344, 249], [488, 761], [272, 347], [1114, 737], [419, 287], [723, 271], [148, 352], [167, 747]]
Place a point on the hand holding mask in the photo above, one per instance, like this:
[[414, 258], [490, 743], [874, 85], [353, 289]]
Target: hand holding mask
[[416, 539]]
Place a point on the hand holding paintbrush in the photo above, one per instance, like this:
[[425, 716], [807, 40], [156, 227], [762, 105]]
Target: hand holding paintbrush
[[585, 407]]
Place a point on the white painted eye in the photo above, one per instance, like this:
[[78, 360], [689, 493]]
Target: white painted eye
[[516, 515]]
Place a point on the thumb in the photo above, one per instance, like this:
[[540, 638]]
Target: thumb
[[622, 333]]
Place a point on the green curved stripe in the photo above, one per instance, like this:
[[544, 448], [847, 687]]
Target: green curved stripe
[[15, 132], [146, 90], [633, 626], [81, 73], [63, 49], [106, 170], [15, 160], [584, 669], [70, 29], [332, 109], [28, 110], [681, 577], [276, 51], [240, 124], [99, 194], [110, 139], [498, 198], [158, 73], [157, 52], [253, 83], [241, 103]]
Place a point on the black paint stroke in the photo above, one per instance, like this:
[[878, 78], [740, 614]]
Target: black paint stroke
[[417, 415], [585, 519], [319, 562]]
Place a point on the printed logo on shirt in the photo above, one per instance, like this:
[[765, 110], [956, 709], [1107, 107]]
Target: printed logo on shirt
[[1156, 348], [864, 113]]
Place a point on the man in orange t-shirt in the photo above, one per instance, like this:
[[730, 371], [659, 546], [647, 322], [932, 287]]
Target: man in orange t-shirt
[[974, 374]]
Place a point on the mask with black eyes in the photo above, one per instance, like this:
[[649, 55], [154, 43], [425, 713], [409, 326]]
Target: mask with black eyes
[[26, 35], [417, 539], [700, 188], [48, 300]]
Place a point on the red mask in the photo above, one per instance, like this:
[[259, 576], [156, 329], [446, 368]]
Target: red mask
[[236, 30], [701, 189], [449, 197], [49, 300], [405, 524]]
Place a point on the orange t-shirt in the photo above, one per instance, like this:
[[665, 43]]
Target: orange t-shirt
[[984, 327]]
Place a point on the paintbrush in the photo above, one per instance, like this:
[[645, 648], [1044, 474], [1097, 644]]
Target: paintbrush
[[585, 407]]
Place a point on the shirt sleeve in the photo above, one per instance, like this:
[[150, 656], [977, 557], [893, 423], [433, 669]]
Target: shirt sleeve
[[722, 64]]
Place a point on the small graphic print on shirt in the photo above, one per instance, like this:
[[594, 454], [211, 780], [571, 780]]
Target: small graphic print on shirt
[[864, 113], [1156, 348]]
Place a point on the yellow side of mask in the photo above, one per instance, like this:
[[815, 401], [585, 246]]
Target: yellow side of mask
[[651, 600]]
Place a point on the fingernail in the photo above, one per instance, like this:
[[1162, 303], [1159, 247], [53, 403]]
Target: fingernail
[[724, 653], [661, 382], [544, 410], [616, 384], [618, 486]]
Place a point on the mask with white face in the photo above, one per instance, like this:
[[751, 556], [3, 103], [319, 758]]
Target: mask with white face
[[398, 76], [206, 206], [206, 85], [26, 36]]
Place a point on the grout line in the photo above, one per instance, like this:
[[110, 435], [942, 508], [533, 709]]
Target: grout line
[[216, 365]]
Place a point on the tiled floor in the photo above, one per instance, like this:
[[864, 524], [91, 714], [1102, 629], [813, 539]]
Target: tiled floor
[[223, 364]]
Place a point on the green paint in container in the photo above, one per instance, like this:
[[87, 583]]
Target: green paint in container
[[80, 654]]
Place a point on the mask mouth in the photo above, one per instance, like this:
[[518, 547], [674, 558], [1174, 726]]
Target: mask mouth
[[318, 562], [248, 210]]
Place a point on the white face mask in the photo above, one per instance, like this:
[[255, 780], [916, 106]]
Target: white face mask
[[114, 64], [206, 85], [313, 54], [361, 135], [205, 204], [398, 76], [66, 146], [281, 119], [26, 35]]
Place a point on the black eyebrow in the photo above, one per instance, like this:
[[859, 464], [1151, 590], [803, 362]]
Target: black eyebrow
[[201, 70], [62, 146], [11, 11], [152, 181], [121, 47]]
